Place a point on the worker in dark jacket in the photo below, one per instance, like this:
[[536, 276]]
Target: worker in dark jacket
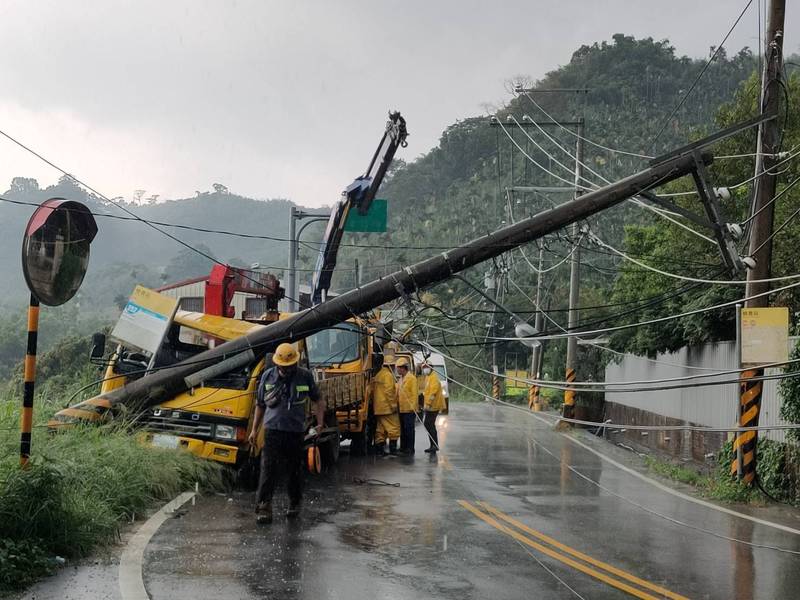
[[284, 392]]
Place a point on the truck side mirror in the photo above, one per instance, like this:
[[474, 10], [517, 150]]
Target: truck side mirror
[[98, 346]]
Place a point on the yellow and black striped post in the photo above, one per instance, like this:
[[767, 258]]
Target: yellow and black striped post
[[495, 384], [744, 446], [569, 396], [534, 399], [26, 422]]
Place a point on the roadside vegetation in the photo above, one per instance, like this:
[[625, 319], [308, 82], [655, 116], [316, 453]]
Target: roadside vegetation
[[80, 485], [774, 468]]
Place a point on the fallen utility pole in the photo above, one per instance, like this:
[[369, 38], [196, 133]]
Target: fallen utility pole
[[769, 141], [162, 385]]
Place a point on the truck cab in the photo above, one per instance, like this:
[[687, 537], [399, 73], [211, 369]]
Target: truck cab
[[342, 359]]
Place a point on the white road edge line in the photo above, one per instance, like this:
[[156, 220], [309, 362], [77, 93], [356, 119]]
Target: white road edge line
[[131, 578], [665, 488]]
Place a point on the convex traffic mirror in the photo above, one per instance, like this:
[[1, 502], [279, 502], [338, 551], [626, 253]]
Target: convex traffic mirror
[[55, 250]]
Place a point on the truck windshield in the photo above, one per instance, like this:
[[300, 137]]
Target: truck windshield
[[334, 346], [440, 372]]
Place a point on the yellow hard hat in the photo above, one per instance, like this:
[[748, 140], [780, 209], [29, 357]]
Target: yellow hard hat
[[402, 362], [285, 355], [388, 359]]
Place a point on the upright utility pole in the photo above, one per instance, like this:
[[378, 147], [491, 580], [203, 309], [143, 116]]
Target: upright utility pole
[[761, 233], [495, 368], [574, 285], [537, 352]]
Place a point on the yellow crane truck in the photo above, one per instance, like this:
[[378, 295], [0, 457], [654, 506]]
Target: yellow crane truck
[[212, 417]]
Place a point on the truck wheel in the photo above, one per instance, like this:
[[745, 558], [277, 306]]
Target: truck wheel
[[329, 451]]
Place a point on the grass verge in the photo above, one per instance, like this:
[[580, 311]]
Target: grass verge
[[79, 486], [721, 486]]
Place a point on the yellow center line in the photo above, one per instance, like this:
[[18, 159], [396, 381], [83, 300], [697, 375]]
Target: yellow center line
[[578, 554], [555, 555]]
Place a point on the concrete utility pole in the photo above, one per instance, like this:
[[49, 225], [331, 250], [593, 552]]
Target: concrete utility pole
[[164, 384], [575, 259], [538, 351], [769, 136], [574, 284]]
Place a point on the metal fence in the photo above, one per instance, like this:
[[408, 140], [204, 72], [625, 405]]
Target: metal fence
[[710, 405]]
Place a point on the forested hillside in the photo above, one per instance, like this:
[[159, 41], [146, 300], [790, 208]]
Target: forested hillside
[[466, 187], [463, 188]]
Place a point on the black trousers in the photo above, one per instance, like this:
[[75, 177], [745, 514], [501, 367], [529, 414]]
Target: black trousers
[[407, 422], [281, 457], [430, 427]]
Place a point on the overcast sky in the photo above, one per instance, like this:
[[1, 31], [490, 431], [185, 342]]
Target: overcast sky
[[287, 99]]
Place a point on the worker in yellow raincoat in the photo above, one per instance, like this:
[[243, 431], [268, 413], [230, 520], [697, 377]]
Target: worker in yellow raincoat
[[407, 392], [384, 406], [434, 403]]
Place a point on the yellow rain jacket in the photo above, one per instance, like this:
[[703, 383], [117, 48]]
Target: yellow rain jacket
[[434, 397], [408, 394], [384, 392]]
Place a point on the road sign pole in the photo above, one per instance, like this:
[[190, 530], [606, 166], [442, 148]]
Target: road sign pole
[[26, 420]]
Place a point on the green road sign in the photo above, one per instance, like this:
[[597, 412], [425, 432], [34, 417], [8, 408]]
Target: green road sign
[[373, 222]]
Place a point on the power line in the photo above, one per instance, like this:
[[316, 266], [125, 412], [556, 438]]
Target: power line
[[580, 137], [563, 386], [549, 336], [700, 75], [647, 267]]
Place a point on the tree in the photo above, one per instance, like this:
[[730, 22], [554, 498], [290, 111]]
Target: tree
[[188, 263], [24, 185], [220, 189]]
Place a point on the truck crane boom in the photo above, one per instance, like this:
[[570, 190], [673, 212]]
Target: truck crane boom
[[358, 195], [160, 386]]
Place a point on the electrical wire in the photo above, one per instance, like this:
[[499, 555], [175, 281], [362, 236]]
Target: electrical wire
[[580, 137], [662, 213], [647, 508], [774, 233], [697, 279], [552, 336], [685, 97], [788, 187], [602, 387]]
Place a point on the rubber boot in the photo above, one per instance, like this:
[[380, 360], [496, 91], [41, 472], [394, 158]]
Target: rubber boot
[[264, 514], [380, 449], [392, 447], [293, 511]]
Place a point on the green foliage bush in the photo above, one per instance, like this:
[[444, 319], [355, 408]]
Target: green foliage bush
[[79, 486], [81, 483], [776, 468]]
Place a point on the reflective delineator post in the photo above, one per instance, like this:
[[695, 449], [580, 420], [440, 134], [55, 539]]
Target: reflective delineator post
[[569, 396], [744, 465], [26, 422], [495, 382]]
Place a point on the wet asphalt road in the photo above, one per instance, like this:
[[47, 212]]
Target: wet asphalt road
[[509, 509]]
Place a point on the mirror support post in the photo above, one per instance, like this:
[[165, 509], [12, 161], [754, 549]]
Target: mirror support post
[[26, 421], [55, 255]]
